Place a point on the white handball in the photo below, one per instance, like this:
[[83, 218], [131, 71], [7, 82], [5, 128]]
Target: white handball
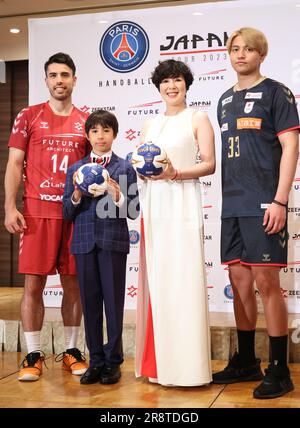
[[149, 159], [90, 174]]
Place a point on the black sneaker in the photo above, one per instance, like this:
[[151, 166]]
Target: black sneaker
[[276, 382], [235, 372]]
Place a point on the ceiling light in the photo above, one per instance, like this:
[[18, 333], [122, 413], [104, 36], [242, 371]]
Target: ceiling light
[[14, 30], [198, 13]]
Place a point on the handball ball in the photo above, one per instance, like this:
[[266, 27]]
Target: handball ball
[[91, 173], [149, 159]]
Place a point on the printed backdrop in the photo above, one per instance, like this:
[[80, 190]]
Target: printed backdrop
[[115, 53]]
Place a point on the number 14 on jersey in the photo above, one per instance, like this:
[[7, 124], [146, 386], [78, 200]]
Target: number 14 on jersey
[[63, 165]]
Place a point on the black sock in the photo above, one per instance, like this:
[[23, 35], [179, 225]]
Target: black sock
[[246, 346], [278, 350]]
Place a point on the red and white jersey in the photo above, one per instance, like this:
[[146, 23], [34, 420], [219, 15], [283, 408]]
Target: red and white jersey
[[51, 144]]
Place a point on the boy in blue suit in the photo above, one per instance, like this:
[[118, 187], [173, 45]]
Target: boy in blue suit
[[100, 244]]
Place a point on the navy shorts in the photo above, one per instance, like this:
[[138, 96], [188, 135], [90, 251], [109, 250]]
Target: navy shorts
[[244, 240]]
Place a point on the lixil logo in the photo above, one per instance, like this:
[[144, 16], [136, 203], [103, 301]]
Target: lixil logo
[[124, 46]]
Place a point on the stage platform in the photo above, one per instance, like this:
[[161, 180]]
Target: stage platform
[[223, 335]]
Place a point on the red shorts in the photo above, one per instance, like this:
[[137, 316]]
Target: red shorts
[[45, 247]]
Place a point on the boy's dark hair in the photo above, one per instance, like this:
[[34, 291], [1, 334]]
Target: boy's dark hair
[[172, 68], [60, 58], [103, 118]]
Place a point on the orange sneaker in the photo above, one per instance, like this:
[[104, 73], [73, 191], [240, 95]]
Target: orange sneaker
[[32, 366], [73, 361]]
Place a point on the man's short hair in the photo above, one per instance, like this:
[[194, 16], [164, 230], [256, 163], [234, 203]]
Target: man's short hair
[[60, 58]]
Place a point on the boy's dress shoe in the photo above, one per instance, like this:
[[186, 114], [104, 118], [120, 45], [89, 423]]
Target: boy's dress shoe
[[92, 375], [110, 374]]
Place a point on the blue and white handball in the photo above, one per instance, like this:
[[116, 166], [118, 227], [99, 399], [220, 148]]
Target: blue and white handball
[[91, 173], [149, 159]]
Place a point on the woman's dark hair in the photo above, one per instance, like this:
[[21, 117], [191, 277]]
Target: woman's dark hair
[[60, 58], [103, 118], [172, 68]]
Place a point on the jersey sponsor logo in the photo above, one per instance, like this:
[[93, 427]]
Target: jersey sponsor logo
[[266, 258], [46, 184], [282, 239], [52, 198], [44, 125], [248, 123], [24, 132], [60, 143], [16, 126], [227, 101], [249, 106], [224, 127], [253, 95], [78, 126], [289, 96], [17, 121], [124, 46]]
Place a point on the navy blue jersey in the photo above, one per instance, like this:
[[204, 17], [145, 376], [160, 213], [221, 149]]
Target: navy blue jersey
[[251, 121]]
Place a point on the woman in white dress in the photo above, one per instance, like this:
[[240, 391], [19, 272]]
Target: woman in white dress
[[173, 337]]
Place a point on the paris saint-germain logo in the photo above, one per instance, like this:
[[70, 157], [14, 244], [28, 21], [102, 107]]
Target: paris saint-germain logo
[[134, 237], [228, 292], [124, 46]]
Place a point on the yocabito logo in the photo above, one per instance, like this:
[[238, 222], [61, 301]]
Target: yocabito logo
[[124, 46]]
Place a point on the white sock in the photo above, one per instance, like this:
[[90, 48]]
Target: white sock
[[71, 336], [33, 340]]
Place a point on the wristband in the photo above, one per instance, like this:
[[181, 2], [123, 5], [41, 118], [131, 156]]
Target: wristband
[[279, 203]]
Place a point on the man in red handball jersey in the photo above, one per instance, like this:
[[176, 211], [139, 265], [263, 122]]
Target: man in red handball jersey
[[45, 140]]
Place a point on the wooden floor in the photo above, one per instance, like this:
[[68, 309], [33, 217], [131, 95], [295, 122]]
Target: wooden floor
[[59, 389]]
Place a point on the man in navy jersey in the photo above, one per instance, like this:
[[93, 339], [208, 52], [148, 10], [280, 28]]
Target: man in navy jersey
[[260, 127]]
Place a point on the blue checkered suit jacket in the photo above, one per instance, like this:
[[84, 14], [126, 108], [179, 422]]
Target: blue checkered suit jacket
[[109, 233]]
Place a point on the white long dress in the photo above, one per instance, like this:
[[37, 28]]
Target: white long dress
[[175, 271]]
